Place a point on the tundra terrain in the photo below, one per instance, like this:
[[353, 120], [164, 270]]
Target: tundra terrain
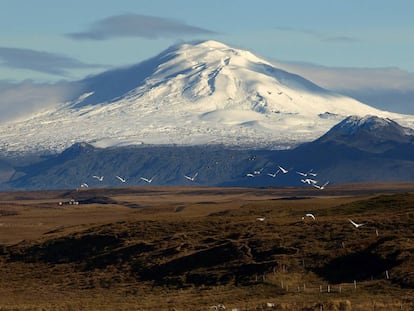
[[194, 248]]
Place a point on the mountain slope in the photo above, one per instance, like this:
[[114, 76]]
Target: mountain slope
[[342, 155], [194, 93]]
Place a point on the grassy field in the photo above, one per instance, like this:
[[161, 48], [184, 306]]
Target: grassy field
[[195, 248]]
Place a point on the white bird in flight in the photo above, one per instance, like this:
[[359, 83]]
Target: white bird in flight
[[284, 171], [249, 175], [261, 218], [123, 180], [191, 178], [84, 185], [100, 178], [309, 173], [148, 180], [321, 187], [355, 224], [309, 181], [274, 174], [309, 215]]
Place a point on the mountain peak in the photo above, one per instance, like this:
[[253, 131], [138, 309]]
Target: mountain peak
[[207, 44], [353, 124], [369, 133], [202, 92]]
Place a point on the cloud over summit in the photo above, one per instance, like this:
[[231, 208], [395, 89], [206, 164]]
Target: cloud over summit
[[136, 25], [20, 100], [40, 61], [390, 89]]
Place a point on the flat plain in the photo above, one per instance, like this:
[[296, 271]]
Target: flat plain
[[176, 248]]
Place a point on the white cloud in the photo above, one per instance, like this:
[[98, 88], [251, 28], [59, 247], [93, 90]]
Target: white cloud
[[136, 25], [390, 89], [41, 61], [320, 36], [19, 100]]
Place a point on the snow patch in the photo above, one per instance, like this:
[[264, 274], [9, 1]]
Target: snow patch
[[230, 117]]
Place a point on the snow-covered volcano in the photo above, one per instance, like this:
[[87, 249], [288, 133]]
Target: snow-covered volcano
[[193, 93]]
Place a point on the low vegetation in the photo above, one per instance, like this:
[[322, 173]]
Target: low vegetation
[[192, 249]]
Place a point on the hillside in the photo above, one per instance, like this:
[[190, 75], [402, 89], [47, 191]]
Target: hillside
[[194, 248]]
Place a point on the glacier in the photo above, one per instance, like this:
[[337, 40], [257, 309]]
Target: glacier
[[201, 92]]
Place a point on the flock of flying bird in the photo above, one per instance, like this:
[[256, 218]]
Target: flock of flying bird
[[311, 216], [192, 178], [356, 225], [145, 179], [306, 177]]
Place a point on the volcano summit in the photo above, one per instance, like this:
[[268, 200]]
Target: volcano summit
[[193, 93]]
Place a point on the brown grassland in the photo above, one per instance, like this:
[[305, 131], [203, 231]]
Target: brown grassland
[[172, 248]]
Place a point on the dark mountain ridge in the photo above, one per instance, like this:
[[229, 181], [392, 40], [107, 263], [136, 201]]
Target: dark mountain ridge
[[369, 149]]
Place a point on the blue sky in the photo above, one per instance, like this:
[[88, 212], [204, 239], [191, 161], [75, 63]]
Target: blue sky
[[45, 41]]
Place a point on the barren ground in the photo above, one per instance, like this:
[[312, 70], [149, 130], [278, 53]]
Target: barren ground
[[192, 248]]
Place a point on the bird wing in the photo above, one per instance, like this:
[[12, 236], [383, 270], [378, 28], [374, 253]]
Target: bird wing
[[310, 215], [352, 222], [283, 170]]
